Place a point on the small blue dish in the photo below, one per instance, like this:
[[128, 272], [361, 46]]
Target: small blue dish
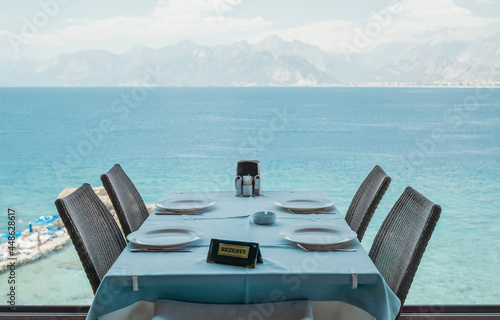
[[264, 217]]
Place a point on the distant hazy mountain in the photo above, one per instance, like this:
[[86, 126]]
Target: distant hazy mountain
[[484, 52], [426, 67], [271, 62]]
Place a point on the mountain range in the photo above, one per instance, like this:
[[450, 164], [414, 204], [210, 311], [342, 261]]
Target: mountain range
[[271, 62]]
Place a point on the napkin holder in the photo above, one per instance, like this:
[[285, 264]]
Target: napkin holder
[[248, 180], [235, 253]]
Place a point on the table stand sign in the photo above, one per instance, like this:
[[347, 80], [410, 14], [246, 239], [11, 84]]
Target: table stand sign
[[235, 253]]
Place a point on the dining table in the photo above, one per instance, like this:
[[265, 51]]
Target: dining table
[[141, 281]]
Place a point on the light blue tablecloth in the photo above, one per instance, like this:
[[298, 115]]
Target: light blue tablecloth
[[288, 273]]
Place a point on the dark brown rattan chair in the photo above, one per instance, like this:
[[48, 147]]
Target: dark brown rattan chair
[[127, 201], [366, 200], [402, 239], [93, 231]]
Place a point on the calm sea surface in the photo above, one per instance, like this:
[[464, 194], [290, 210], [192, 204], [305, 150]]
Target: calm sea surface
[[443, 142]]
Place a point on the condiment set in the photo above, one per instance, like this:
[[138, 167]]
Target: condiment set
[[248, 181]]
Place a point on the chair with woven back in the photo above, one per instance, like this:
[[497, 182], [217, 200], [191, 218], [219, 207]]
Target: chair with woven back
[[366, 200], [127, 201], [402, 239], [93, 231]]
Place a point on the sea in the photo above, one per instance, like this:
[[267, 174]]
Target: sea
[[444, 142]]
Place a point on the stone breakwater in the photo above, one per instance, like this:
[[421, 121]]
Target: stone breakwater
[[32, 246], [42, 240]]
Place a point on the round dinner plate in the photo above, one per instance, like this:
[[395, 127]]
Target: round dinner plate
[[185, 205], [166, 237], [318, 235], [303, 205]]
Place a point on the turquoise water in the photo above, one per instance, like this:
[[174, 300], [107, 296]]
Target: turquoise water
[[443, 142]]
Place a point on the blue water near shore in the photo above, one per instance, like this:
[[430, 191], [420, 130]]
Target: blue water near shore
[[445, 142]]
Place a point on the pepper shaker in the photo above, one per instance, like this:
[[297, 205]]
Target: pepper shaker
[[238, 186], [257, 187]]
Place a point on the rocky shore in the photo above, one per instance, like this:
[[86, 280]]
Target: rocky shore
[[42, 240]]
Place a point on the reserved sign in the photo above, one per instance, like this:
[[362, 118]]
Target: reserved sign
[[236, 253], [232, 250]]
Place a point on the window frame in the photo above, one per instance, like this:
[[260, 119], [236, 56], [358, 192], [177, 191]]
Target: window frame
[[410, 312]]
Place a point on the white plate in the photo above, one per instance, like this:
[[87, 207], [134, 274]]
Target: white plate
[[165, 237], [304, 205], [185, 205], [318, 235]]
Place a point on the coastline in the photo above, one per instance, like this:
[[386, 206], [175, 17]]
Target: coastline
[[32, 251], [325, 85], [40, 241]]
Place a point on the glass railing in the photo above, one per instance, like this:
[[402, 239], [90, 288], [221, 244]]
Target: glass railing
[[442, 142]]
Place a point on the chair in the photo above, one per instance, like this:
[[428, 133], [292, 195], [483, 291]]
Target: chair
[[93, 231], [402, 239], [366, 200], [127, 201]]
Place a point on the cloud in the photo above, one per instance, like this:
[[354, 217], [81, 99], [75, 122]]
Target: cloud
[[432, 21], [433, 15], [402, 21], [172, 18], [179, 7], [413, 21], [46, 40]]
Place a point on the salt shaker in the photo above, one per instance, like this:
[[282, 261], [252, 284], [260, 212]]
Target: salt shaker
[[247, 185]]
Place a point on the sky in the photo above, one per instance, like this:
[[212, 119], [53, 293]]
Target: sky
[[42, 29]]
